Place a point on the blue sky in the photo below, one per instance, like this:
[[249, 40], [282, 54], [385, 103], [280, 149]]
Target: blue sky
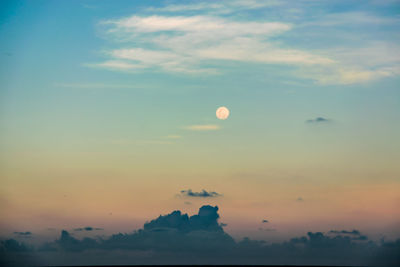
[[108, 92]]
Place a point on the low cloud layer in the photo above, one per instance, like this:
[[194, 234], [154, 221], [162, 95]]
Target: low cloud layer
[[178, 238], [203, 193]]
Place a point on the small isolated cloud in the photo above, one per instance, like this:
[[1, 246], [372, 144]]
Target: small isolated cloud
[[299, 199], [23, 234], [318, 120], [88, 228], [354, 232], [203, 127], [265, 221], [203, 193]]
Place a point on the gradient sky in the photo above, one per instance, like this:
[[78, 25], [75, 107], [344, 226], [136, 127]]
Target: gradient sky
[[107, 112]]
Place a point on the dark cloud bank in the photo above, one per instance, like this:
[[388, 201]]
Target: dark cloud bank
[[177, 238]]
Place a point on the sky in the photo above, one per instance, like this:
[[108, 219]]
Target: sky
[[107, 115]]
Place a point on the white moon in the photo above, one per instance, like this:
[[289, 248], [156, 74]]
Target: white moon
[[222, 113]]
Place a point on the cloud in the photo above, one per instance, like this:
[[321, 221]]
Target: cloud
[[299, 199], [24, 234], [318, 120], [88, 228], [220, 7], [354, 232], [352, 18], [116, 65], [172, 232], [177, 238], [14, 246], [264, 221], [201, 37], [203, 193], [188, 43], [350, 74], [203, 127]]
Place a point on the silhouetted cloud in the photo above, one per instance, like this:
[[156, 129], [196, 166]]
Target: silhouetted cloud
[[178, 238], [24, 234], [318, 120], [299, 199], [264, 221], [14, 246], [354, 232], [206, 219], [88, 228], [203, 193], [361, 238]]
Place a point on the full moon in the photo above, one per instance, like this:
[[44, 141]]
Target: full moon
[[222, 113]]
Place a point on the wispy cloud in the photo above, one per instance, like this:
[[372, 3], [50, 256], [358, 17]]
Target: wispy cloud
[[220, 7], [318, 120], [352, 18], [116, 65], [203, 127], [185, 43], [199, 38]]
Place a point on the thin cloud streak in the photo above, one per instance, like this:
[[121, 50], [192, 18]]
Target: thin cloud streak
[[203, 127]]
